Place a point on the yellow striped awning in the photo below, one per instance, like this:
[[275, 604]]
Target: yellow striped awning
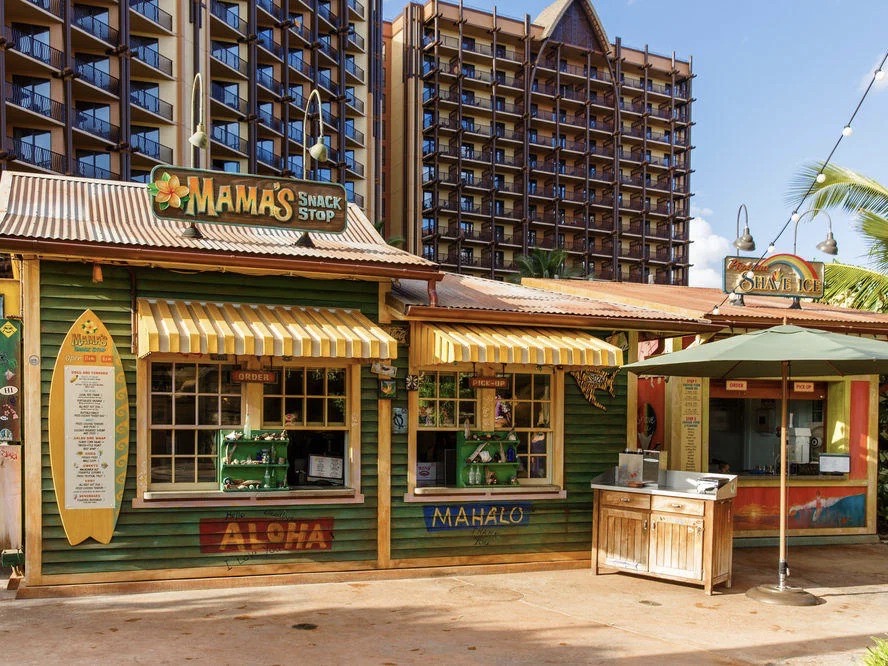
[[455, 343], [192, 327]]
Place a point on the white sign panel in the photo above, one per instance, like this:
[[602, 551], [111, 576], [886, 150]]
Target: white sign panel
[[89, 437]]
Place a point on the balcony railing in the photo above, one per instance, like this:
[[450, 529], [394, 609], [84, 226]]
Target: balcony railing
[[302, 31], [37, 156], [352, 68], [270, 8], [268, 157], [96, 126], [229, 98], [269, 120], [356, 7], [152, 148], [323, 10], [35, 102], [233, 60], [355, 134], [92, 74], [89, 23], [151, 11], [355, 198], [152, 58], [354, 102], [327, 82], [51, 6], [29, 45], [356, 40], [298, 63], [152, 103], [229, 139], [229, 17], [354, 166], [268, 82], [267, 43], [87, 170]]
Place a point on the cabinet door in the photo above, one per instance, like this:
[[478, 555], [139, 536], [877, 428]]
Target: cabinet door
[[676, 545], [623, 539]]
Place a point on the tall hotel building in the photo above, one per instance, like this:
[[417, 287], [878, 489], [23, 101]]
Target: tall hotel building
[[104, 88], [507, 135]]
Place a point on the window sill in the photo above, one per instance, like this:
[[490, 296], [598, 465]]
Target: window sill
[[435, 493], [214, 498]]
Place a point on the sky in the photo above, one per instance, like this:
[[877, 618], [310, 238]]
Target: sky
[[776, 81]]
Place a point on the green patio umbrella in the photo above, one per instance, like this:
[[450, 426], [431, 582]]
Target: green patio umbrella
[[780, 351]]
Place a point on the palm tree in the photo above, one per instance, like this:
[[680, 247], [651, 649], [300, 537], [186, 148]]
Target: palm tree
[[540, 263], [866, 199], [395, 241]]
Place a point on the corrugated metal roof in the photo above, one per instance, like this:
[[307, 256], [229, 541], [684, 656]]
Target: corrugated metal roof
[[700, 301], [58, 208], [440, 344], [192, 327], [464, 292]]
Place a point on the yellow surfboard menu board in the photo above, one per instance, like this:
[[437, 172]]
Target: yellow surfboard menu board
[[88, 431]]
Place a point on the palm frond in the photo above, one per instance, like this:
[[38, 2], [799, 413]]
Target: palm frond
[[874, 228], [855, 287], [842, 188]]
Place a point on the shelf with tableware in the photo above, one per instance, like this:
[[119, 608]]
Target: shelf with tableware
[[256, 463], [487, 458]]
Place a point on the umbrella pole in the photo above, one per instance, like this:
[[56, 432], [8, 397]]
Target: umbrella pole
[[781, 594], [782, 567]]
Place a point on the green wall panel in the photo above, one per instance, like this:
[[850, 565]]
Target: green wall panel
[[593, 438], [168, 538]]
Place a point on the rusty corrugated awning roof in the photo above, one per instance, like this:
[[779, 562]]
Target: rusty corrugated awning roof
[[473, 297], [757, 311], [97, 219]]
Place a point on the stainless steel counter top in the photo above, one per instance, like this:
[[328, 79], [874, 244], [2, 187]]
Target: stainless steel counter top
[[678, 484]]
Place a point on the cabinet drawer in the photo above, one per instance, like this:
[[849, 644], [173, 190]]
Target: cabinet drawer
[[625, 500], [693, 507]]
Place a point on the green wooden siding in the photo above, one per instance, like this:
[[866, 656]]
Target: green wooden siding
[[168, 538], [593, 438]]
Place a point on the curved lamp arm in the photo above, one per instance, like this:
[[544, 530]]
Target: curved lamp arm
[[319, 149], [744, 242], [199, 138], [828, 245]]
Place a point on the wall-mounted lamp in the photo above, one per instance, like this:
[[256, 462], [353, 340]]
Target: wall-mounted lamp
[[744, 242], [828, 245], [199, 138], [319, 150]]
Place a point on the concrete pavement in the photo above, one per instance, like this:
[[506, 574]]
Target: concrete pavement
[[559, 617]]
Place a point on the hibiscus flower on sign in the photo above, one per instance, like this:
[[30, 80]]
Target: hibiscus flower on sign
[[167, 191]]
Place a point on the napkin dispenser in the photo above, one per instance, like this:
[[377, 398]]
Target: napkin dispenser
[[641, 466]]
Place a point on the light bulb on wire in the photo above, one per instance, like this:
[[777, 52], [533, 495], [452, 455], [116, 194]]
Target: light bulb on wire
[[847, 130]]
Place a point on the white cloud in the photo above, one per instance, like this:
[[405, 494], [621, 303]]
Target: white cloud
[[700, 212], [867, 78], [707, 253]]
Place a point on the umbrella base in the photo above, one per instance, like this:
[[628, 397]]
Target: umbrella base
[[782, 596]]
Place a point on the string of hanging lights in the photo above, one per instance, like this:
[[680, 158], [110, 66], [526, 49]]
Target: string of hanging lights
[[847, 130]]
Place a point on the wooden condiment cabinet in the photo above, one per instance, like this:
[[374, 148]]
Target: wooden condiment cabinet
[[664, 534]]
